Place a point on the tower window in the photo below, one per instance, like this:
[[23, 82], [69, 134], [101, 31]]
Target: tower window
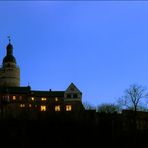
[[68, 107], [43, 108], [57, 108]]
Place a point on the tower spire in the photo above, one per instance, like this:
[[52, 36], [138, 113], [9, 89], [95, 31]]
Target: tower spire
[[9, 72]]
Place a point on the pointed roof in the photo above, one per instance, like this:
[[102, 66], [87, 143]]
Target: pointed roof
[[9, 55], [72, 89]]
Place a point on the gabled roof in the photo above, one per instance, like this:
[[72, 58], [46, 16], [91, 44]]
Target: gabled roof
[[72, 89]]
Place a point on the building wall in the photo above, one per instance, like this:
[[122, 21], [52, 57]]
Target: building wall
[[16, 103]]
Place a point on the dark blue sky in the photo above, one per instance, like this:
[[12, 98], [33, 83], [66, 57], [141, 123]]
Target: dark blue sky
[[102, 47]]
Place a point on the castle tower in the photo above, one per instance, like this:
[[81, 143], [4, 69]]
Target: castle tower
[[9, 71]]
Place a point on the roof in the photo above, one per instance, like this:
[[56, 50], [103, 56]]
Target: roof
[[27, 90], [9, 58], [72, 89], [48, 93], [15, 90]]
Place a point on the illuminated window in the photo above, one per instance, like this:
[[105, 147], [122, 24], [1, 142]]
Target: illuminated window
[[43, 108], [14, 97], [32, 98], [22, 105], [57, 108], [30, 105], [36, 106], [68, 107], [56, 99], [43, 99]]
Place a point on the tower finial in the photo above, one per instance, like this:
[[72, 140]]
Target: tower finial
[[9, 38]]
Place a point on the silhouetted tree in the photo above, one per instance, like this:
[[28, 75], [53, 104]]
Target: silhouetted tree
[[108, 108], [132, 97]]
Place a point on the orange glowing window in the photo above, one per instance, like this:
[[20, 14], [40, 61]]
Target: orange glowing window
[[22, 105], [56, 99], [32, 98], [57, 108], [43, 99], [68, 107], [14, 97], [43, 108]]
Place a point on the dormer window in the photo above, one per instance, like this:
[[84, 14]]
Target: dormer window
[[72, 89], [75, 96], [69, 96]]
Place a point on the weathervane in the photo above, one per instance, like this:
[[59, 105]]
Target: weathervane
[[9, 39]]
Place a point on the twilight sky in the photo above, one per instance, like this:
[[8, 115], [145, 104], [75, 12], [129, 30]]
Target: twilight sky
[[102, 47]]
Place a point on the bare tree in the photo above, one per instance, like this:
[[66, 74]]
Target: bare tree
[[108, 108], [88, 106], [133, 96]]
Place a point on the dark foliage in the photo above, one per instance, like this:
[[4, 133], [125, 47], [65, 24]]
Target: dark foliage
[[89, 129]]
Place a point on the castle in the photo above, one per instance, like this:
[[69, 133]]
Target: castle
[[15, 98]]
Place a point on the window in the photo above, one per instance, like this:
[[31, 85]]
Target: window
[[14, 98], [43, 108], [30, 105], [69, 96], [75, 96], [72, 89], [6, 98], [68, 107], [20, 97], [56, 99], [43, 99], [32, 98], [57, 108], [22, 105]]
